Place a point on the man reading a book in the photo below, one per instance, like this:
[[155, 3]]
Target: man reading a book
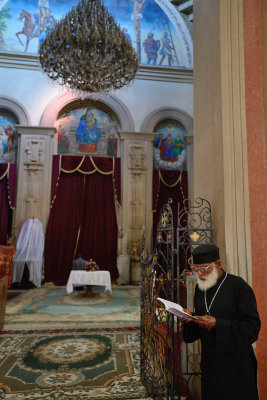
[[227, 325]]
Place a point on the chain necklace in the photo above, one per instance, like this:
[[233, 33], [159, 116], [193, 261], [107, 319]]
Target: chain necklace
[[205, 298]]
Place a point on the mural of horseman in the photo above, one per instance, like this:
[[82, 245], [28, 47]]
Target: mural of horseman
[[30, 28], [35, 26]]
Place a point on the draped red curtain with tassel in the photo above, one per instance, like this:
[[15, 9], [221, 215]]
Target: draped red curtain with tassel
[[83, 216], [169, 185], [8, 181]]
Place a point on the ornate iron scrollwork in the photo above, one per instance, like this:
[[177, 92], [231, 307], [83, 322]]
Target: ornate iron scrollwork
[[163, 274]]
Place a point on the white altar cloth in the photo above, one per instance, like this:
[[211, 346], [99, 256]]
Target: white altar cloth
[[98, 278]]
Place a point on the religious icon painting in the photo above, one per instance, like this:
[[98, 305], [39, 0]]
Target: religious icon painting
[[170, 146], [8, 137], [87, 131]]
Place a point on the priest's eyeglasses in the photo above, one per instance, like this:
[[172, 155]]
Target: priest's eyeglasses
[[201, 269]]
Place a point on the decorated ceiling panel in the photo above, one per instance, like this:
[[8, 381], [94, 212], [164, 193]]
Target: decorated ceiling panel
[[154, 27]]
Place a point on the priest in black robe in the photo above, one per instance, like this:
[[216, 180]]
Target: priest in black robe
[[228, 324], [78, 263]]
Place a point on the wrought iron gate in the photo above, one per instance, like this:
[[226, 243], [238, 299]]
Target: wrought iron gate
[[164, 274]]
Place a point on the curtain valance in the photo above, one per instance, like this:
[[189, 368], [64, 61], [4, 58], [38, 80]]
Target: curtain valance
[[86, 165], [170, 179]]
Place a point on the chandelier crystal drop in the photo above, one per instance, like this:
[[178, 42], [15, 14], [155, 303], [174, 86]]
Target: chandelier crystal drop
[[87, 51]]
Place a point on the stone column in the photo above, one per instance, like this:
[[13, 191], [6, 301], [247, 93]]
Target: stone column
[[189, 140], [220, 145], [137, 173], [35, 152]]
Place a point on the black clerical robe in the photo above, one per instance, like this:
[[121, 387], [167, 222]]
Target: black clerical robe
[[78, 264], [228, 363]]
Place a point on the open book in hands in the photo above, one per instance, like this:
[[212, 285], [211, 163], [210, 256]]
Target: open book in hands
[[175, 309]]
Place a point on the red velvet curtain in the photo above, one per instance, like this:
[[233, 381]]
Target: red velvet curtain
[[83, 215], [7, 199], [99, 232], [169, 185], [63, 227]]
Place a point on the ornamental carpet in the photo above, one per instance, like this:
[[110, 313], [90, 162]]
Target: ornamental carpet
[[52, 306], [70, 364]]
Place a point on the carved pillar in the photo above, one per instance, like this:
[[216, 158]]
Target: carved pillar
[[189, 140], [35, 151], [220, 138], [137, 171]]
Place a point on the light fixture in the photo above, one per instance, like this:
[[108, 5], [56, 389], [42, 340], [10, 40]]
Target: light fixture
[[87, 51]]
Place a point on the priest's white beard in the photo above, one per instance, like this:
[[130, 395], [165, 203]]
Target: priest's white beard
[[206, 282]]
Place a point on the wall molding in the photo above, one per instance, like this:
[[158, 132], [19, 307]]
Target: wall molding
[[52, 110], [145, 72], [160, 114], [16, 108]]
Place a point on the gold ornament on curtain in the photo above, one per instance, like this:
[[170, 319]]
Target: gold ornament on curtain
[[87, 51]]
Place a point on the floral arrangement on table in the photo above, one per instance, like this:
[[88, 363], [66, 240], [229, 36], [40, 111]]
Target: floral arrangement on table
[[91, 266]]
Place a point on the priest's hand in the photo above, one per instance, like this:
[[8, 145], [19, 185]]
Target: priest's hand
[[186, 319], [206, 321]]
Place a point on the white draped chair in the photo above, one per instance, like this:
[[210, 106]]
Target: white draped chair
[[29, 250]]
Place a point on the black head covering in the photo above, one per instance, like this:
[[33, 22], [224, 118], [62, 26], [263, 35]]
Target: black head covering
[[205, 253]]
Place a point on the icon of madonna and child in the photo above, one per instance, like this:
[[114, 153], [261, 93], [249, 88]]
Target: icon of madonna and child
[[88, 134], [94, 133]]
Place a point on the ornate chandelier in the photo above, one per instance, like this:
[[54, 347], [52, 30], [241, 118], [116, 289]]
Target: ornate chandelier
[[87, 51]]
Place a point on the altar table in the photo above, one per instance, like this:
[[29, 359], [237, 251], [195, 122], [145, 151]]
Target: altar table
[[98, 278]]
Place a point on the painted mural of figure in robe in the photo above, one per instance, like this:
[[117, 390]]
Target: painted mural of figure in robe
[[168, 149], [166, 49], [228, 324], [178, 145], [63, 140], [151, 47], [44, 13], [88, 134], [112, 143], [8, 139], [127, 35]]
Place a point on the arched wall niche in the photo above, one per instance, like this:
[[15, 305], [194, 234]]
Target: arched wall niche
[[55, 107], [16, 108], [186, 120], [161, 114]]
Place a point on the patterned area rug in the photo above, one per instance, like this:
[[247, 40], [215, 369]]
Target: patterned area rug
[[13, 293], [50, 305], [98, 364]]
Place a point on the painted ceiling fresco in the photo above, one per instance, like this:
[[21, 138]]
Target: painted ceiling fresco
[[157, 38]]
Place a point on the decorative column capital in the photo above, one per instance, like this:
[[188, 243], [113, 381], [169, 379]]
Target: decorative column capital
[[35, 130], [138, 136]]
